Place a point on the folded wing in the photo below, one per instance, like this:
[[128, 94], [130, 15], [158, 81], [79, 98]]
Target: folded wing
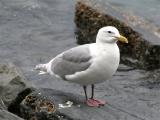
[[74, 60]]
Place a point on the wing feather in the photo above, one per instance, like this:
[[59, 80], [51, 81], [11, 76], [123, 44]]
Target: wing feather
[[74, 60]]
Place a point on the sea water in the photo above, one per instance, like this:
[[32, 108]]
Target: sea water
[[148, 9]]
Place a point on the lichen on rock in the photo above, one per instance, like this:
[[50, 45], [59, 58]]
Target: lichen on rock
[[91, 15]]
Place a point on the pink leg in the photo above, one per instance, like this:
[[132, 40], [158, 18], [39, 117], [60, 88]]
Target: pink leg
[[95, 102]]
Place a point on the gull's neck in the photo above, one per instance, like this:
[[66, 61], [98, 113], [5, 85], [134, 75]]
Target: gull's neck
[[99, 39]]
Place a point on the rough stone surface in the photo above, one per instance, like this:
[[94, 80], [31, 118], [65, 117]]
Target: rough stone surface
[[5, 115], [127, 99], [37, 107], [12, 82], [42, 104], [143, 50]]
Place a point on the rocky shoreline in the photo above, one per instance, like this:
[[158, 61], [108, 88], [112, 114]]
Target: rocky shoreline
[[132, 94], [20, 98]]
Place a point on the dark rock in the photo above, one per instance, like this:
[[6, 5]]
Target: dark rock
[[5, 115], [37, 107], [14, 106], [143, 50], [42, 105], [12, 82], [127, 98]]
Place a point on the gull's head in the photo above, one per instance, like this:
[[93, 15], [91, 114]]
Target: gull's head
[[110, 34]]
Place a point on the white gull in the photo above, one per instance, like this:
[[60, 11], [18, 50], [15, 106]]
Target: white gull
[[88, 64]]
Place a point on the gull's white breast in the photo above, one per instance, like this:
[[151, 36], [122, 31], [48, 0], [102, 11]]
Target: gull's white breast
[[105, 61]]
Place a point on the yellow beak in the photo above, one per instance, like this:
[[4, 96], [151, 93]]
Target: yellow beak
[[122, 39]]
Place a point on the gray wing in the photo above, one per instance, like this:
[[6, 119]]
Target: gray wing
[[74, 60]]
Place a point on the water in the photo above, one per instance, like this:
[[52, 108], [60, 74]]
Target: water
[[35, 31], [149, 9]]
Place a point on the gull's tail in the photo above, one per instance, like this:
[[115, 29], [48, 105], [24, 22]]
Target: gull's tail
[[42, 68]]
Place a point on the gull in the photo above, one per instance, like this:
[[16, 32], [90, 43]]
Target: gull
[[88, 64]]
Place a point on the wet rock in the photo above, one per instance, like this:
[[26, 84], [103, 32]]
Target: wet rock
[[43, 104], [12, 82], [151, 79], [37, 107], [127, 98], [143, 50], [5, 115], [14, 106]]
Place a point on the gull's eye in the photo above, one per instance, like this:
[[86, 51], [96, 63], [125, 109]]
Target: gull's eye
[[109, 31]]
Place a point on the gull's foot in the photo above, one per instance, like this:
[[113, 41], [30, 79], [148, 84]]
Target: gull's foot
[[95, 102]]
